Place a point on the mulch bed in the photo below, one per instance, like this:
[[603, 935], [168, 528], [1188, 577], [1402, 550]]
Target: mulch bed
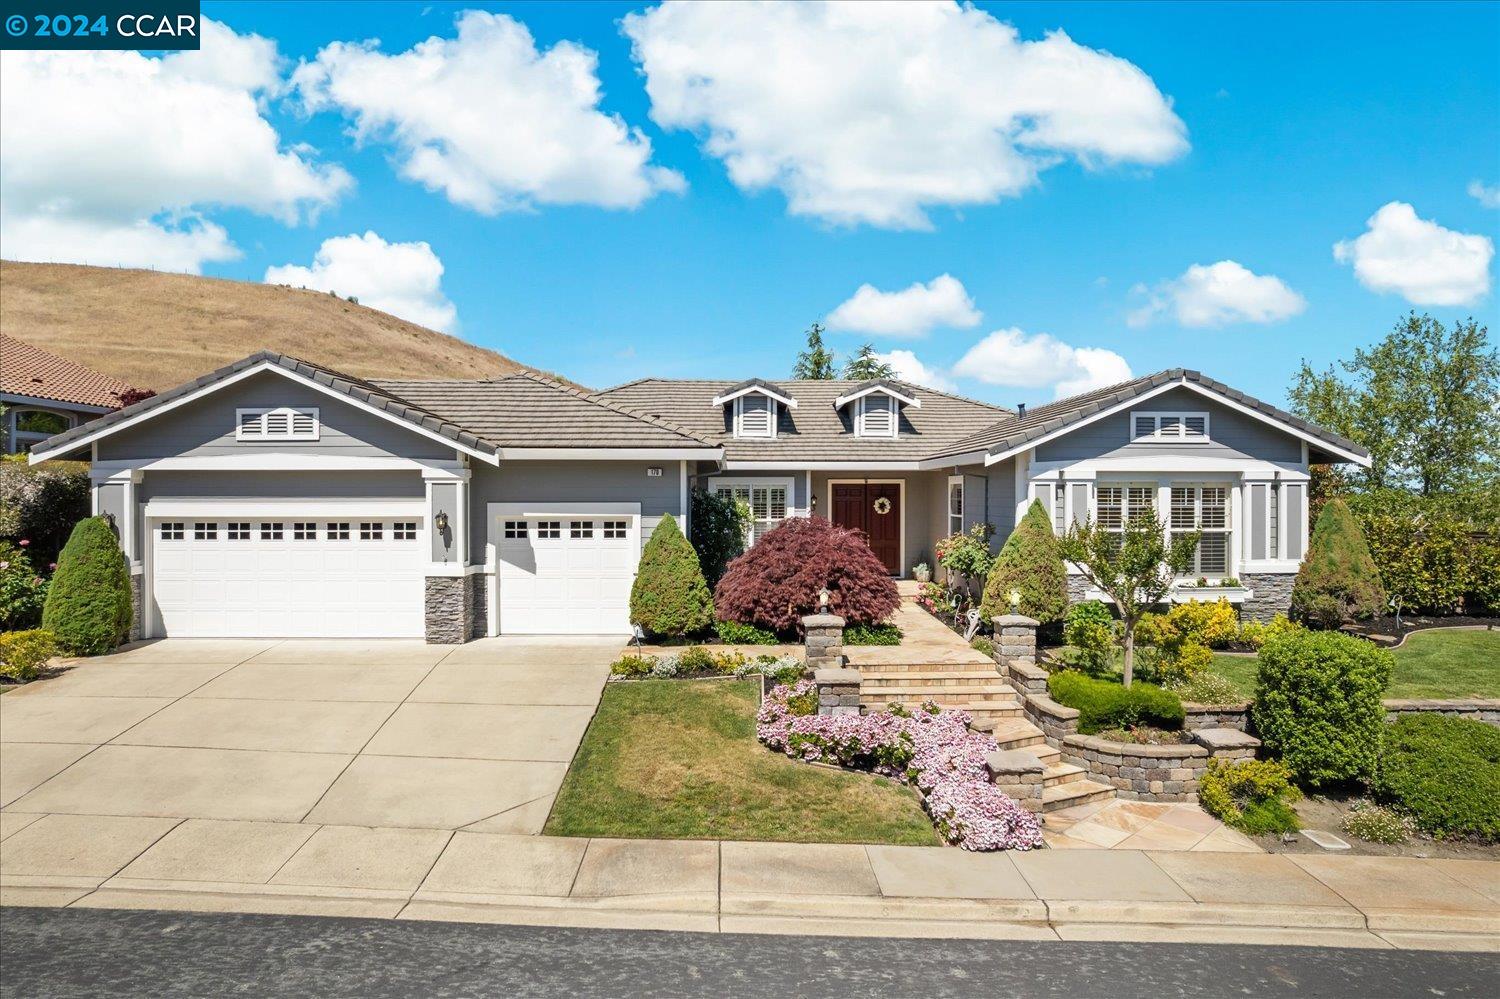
[[1383, 630]]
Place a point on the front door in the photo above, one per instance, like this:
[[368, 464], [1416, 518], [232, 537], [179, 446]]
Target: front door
[[875, 508]]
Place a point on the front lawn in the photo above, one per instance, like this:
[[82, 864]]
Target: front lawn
[[678, 759], [1446, 663]]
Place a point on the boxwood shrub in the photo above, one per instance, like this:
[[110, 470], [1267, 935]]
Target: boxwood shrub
[[1253, 796], [1105, 704], [1444, 773], [734, 633], [1317, 704]]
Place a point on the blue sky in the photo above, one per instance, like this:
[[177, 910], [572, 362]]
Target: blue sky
[[1300, 123]]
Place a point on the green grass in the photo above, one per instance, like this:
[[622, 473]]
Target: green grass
[[1445, 663], [676, 759]]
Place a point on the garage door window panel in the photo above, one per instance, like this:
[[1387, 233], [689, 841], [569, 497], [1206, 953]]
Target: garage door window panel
[[205, 531]]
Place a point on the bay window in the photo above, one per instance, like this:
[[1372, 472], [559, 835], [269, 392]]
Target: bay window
[[1203, 508]]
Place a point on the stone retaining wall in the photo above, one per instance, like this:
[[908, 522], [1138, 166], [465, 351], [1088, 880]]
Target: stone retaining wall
[[1143, 773], [1019, 774], [1273, 595], [1057, 721], [1479, 709], [1235, 716]]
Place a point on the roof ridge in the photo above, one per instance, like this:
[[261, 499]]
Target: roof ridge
[[648, 418]]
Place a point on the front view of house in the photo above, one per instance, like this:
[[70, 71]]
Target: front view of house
[[277, 498]]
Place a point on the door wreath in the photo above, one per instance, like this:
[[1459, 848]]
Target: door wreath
[[883, 506]]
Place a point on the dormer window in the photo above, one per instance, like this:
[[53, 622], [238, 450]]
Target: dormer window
[[280, 424], [877, 407], [756, 408], [1169, 427], [755, 416]]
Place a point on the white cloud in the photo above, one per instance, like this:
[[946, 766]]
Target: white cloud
[[1418, 259], [1487, 195], [1215, 294], [913, 311], [114, 158], [404, 279], [1012, 357], [488, 119], [872, 113], [910, 369]]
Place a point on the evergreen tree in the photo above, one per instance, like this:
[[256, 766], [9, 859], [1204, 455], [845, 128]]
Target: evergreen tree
[[1030, 563], [866, 364], [669, 596], [1338, 579], [88, 603], [816, 362]]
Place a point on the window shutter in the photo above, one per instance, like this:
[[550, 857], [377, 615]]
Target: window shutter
[[1080, 502]]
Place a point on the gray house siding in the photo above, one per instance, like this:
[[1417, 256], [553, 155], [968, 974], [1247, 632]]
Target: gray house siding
[[573, 482], [1231, 434], [206, 427], [797, 499], [1000, 498]]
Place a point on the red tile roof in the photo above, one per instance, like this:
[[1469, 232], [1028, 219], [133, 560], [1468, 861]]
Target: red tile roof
[[28, 370]]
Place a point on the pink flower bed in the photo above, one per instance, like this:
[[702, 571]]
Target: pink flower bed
[[933, 750]]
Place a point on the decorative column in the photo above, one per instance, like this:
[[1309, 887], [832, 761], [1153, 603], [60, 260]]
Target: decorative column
[[449, 601], [1015, 640], [1019, 774], [824, 641]]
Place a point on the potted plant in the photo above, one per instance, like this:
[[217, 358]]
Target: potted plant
[[922, 572]]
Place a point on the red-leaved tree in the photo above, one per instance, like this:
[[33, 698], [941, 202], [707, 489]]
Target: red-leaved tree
[[776, 582]]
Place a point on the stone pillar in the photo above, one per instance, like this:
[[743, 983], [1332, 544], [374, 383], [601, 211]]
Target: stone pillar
[[824, 642], [447, 610], [838, 691], [137, 609], [1019, 774], [1015, 640]]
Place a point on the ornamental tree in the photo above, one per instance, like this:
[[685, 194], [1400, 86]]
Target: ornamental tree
[[776, 583], [1134, 568], [669, 596], [1031, 564]]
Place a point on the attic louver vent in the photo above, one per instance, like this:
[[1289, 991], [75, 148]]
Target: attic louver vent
[[1169, 426], [282, 424]]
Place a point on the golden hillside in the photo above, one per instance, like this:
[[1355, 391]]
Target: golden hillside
[[156, 330]]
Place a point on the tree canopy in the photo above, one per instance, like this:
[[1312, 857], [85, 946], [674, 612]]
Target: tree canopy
[[816, 362], [866, 364]]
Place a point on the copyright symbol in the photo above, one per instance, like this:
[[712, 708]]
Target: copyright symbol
[[15, 25]]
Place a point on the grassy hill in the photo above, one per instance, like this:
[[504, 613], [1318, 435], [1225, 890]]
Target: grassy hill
[[155, 330]]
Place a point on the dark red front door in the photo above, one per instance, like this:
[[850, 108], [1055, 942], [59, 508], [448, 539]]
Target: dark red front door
[[875, 508]]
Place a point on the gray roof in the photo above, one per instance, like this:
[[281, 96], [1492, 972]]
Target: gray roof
[[528, 410], [815, 430], [366, 392], [1019, 430]]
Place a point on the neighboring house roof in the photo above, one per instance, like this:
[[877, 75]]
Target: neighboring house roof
[[817, 430], [355, 388], [1022, 429], [527, 410], [29, 370]]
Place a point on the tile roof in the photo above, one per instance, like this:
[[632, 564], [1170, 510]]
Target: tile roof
[[528, 410], [356, 388], [815, 430], [1021, 429], [29, 370]]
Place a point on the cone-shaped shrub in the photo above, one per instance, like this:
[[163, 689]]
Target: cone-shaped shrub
[[88, 603], [1338, 579], [669, 597], [1031, 564], [776, 583]]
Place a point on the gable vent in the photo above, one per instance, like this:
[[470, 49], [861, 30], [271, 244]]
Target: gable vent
[[281, 424], [877, 417]]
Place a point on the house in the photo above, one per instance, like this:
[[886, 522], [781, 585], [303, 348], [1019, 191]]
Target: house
[[44, 394], [274, 497]]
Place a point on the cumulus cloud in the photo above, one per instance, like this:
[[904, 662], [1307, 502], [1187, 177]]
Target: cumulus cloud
[[404, 279], [1011, 357], [1487, 195], [1216, 294], [871, 113], [115, 158], [1418, 259], [488, 119], [913, 311], [911, 369]]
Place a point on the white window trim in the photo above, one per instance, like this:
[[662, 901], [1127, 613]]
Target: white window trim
[[264, 411], [22, 439], [955, 480], [739, 422], [909, 400], [717, 482], [1157, 437], [785, 400], [859, 420], [1230, 557]]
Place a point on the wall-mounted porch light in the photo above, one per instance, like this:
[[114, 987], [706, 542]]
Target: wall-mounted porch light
[[441, 522]]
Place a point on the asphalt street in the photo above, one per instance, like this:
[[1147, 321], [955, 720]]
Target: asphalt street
[[81, 952]]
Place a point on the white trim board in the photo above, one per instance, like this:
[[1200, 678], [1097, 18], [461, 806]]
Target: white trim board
[[785, 400], [255, 369], [276, 461], [844, 400], [1287, 428], [611, 454], [318, 508], [545, 509], [793, 465]]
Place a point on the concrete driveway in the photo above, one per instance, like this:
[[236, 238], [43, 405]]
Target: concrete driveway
[[345, 733]]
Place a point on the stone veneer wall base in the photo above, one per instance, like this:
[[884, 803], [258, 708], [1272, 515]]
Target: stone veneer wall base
[[1273, 595], [137, 620], [446, 605]]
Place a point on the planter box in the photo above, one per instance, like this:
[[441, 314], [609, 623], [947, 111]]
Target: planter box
[[1209, 594]]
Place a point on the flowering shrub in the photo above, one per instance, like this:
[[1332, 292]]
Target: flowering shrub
[[698, 661], [24, 653], [23, 591], [932, 749], [934, 599]]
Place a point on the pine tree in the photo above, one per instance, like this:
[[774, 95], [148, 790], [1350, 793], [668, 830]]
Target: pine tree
[[866, 364], [1030, 563], [816, 362], [669, 596], [1338, 579]]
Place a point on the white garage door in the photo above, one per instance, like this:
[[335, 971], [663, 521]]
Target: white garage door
[[566, 575], [288, 578]]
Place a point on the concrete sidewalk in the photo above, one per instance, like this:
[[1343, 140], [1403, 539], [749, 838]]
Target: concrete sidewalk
[[438, 874]]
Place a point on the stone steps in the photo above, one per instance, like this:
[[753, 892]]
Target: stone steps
[[936, 678], [1074, 792], [1059, 773], [951, 694], [986, 668], [1013, 733]]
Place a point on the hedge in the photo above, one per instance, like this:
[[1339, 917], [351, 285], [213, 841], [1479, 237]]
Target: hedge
[[41, 504], [1103, 704], [1318, 704], [88, 603], [1444, 773]]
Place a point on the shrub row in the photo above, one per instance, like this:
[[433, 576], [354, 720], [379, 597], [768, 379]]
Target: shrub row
[[1444, 773], [1104, 704]]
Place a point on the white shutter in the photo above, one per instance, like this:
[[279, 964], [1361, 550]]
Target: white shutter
[[756, 416]]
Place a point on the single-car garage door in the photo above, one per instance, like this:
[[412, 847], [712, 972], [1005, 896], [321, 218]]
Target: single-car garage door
[[566, 575], [247, 577]]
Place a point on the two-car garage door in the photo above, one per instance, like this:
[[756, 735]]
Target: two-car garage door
[[288, 576]]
